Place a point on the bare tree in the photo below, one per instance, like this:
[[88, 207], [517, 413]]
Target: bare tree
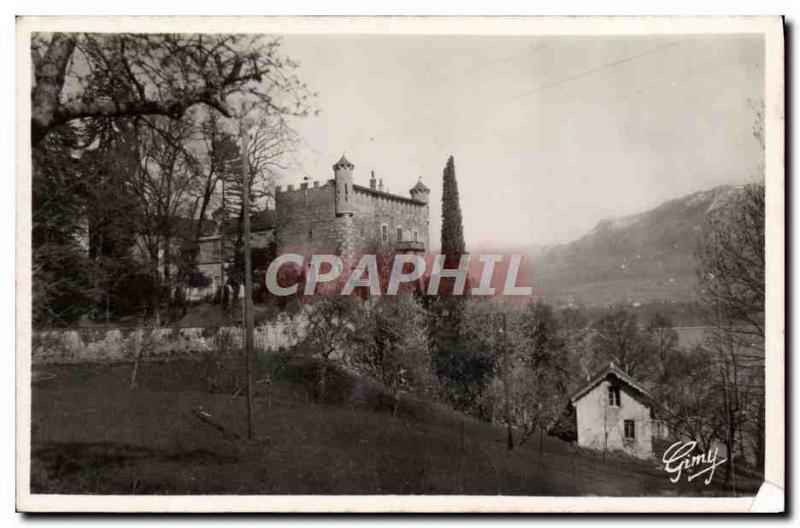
[[688, 396], [85, 75], [270, 140], [166, 179], [731, 281], [731, 261], [332, 326], [543, 371], [616, 338], [392, 347]]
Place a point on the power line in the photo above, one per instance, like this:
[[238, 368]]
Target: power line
[[591, 71], [488, 63]]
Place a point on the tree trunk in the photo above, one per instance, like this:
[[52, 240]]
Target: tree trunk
[[760, 437], [49, 72], [155, 299], [168, 279], [541, 442], [728, 464], [323, 374], [396, 405], [146, 343]]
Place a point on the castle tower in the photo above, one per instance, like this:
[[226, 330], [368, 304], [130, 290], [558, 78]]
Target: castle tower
[[343, 177], [420, 192]]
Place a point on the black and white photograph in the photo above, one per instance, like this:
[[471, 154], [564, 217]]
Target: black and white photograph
[[400, 264]]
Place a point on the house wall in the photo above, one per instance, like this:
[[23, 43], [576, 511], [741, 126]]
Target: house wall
[[208, 260], [601, 426]]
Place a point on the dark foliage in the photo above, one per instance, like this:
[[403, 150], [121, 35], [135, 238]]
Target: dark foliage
[[452, 227]]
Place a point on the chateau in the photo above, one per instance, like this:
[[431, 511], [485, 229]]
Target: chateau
[[337, 217], [342, 218]]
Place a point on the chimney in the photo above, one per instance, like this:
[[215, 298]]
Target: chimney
[[372, 182], [380, 185]]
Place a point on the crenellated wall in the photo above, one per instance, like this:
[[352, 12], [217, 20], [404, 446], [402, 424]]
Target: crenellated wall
[[308, 223], [306, 218]]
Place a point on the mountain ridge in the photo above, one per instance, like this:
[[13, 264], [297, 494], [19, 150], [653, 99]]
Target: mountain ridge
[[639, 258]]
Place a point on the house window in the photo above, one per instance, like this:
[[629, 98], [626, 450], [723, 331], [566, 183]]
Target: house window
[[630, 430], [613, 396], [385, 233], [399, 234]]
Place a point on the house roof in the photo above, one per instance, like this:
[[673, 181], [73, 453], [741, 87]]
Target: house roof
[[612, 371]]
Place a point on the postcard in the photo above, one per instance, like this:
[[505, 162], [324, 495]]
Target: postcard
[[400, 264]]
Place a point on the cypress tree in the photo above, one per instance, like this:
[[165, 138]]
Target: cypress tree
[[452, 228], [453, 367]]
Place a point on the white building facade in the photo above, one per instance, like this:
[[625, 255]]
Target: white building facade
[[613, 413]]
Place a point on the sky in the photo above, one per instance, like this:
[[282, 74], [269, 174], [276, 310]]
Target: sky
[[549, 134]]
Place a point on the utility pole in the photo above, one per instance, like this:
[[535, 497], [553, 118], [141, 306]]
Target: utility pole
[[724, 361], [501, 331], [223, 220], [248, 288]]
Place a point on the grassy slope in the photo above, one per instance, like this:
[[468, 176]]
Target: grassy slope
[[92, 434]]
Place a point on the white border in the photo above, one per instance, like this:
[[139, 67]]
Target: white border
[[772, 29]]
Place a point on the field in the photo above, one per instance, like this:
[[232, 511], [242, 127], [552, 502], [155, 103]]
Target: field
[[93, 434]]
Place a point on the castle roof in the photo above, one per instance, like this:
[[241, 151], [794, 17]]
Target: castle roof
[[384, 194], [343, 163], [420, 187], [610, 371]]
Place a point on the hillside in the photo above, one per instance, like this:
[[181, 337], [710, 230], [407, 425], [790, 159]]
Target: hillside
[[646, 257], [92, 434]]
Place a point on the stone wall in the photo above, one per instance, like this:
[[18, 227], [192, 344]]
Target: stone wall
[[307, 220], [375, 210], [123, 344]]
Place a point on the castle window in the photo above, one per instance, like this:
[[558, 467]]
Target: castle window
[[416, 236], [399, 234], [613, 396], [385, 233], [310, 234], [630, 430]]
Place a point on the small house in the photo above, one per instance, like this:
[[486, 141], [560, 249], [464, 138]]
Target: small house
[[614, 413]]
